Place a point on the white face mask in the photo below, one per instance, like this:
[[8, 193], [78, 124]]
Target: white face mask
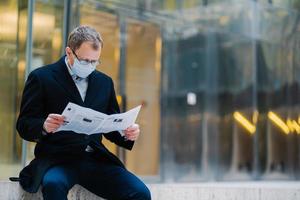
[[81, 70]]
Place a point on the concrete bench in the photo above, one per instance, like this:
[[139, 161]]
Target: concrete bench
[[13, 191], [203, 191]]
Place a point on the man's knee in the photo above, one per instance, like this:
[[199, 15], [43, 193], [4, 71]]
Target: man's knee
[[56, 184], [57, 179]]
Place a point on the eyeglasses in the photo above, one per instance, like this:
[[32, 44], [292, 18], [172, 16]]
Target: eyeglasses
[[86, 61]]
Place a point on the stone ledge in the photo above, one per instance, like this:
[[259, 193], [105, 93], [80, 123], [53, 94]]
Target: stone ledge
[[227, 191], [203, 191], [13, 191]]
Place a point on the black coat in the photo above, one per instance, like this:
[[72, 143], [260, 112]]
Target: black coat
[[48, 90]]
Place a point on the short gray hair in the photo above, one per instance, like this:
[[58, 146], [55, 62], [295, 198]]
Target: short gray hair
[[82, 34]]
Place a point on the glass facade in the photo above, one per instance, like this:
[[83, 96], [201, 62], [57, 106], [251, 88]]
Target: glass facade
[[218, 81], [10, 143]]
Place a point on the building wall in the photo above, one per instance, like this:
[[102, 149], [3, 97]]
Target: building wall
[[218, 81]]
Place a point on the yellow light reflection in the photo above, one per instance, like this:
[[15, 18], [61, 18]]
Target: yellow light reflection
[[117, 48], [279, 122], [119, 99], [56, 39], [255, 117], [158, 53], [43, 23], [244, 122], [9, 21], [21, 66], [293, 126]]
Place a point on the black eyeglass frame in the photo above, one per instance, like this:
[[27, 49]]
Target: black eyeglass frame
[[85, 61]]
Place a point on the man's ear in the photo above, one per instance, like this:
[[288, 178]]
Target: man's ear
[[68, 51], [69, 55]]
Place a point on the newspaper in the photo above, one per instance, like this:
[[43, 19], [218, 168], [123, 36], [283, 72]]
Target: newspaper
[[88, 121]]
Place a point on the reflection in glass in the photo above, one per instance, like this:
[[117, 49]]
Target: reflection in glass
[[143, 57], [10, 143]]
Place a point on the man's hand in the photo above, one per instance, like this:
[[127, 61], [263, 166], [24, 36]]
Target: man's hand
[[132, 132], [53, 122]]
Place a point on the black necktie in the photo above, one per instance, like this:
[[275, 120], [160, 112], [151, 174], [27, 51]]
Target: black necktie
[[77, 78]]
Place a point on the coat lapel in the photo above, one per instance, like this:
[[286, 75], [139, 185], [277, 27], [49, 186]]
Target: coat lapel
[[63, 77]]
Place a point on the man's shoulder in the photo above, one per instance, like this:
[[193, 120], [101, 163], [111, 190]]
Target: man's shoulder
[[46, 69], [42, 69]]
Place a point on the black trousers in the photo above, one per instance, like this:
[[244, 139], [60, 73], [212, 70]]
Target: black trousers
[[103, 178]]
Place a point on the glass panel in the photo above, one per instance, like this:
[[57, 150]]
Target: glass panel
[[295, 97], [276, 84], [143, 66], [48, 18], [236, 107], [279, 139], [184, 77], [10, 143], [107, 25]]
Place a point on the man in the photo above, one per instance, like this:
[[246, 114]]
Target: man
[[65, 158]]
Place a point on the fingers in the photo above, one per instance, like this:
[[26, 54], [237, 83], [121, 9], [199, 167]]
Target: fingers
[[56, 117], [132, 137], [133, 127], [132, 132], [51, 128], [53, 122]]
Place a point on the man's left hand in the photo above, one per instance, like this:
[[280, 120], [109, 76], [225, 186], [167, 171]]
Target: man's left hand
[[132, 132]]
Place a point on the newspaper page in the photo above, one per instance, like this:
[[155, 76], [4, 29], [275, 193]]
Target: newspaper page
[[88, 121]]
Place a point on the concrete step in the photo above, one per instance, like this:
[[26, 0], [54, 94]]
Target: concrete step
[[202, 191]]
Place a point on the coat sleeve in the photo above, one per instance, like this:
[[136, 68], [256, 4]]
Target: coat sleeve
[[115, 136], [31, 118]]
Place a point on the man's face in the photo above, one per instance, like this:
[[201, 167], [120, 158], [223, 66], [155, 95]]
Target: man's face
[[85, 52]]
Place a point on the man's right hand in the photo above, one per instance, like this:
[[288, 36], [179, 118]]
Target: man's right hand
[[53, 122]]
